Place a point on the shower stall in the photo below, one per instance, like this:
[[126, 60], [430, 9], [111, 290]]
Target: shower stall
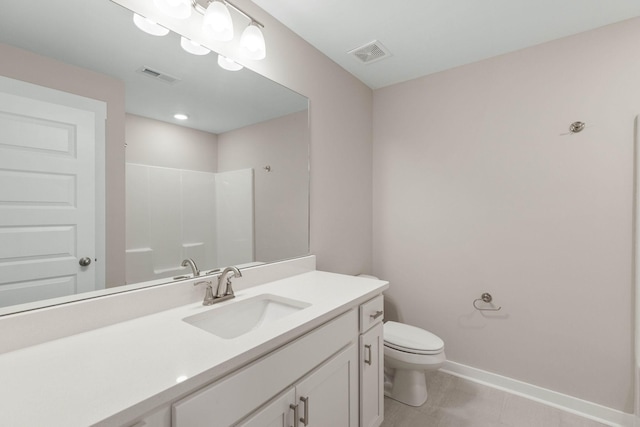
[[175, 214]]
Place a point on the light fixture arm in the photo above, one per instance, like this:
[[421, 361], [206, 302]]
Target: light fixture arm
[[201, 10]]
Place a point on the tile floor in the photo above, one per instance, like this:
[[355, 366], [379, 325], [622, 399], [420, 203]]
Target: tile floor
[[456, 402]]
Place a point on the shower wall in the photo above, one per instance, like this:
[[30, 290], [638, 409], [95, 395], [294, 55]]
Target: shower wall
[[161, 225], [178, 206], [234, 213], [174, 214]]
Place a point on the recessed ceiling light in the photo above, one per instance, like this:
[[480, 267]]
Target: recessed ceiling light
[[180, 116]]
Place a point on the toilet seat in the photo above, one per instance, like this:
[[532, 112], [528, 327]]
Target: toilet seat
[[411, 339]]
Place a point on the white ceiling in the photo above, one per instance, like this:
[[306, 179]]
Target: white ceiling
[[101, 36], [427, 36]]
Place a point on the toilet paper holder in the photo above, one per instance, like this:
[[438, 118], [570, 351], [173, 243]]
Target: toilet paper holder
[[485, 298]]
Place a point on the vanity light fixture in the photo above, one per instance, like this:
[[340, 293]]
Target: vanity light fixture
[[193, 47], [180, 116], [216, 24], [178, 9], [228, 64], [149, 26], [252, 42]]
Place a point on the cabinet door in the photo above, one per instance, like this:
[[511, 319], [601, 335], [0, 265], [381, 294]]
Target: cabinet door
[[277, 413], [372, 377], [329, 395]]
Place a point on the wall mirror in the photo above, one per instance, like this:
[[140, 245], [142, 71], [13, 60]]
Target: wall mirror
[[227, 186]]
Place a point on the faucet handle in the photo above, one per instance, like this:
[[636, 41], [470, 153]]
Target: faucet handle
[[208, 294], [229, 290]]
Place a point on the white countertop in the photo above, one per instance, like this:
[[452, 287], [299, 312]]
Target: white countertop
[[115, 373]]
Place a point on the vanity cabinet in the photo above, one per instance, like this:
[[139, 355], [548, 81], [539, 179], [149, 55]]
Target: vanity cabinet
[[331, 376], [320, 368], [320, 361], [371, 343], [326, 397]]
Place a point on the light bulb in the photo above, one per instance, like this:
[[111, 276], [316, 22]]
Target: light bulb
[[217, 22], [228, 64], [180, 116], [193, 47], [179, 9], [149, 26], [252, 43]]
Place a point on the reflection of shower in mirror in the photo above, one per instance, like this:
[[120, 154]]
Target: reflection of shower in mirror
[[213, 224]]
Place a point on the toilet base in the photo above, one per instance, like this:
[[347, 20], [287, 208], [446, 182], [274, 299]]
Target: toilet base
[[407, 386]]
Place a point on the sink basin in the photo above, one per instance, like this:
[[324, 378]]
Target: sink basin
[[238, 318]]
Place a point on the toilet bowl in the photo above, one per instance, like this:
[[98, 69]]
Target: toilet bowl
[[409, 352]]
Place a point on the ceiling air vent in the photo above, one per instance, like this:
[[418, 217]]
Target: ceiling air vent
[[158, 75], [371, 52]]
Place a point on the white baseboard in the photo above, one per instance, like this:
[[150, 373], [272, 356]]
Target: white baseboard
[[567, 403]]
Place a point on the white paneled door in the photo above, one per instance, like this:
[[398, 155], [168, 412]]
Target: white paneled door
[[48, 193]]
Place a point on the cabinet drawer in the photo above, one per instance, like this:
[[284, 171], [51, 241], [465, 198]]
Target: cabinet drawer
[[371, 313]]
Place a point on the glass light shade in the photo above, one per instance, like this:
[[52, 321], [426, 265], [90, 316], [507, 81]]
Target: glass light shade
[[217, 22], [193, 47], [252, 43], [148, 26], [179, 9], [228, 64], [180, 116]]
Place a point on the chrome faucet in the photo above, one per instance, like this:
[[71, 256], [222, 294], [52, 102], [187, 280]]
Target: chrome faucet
[[228, 289], [190, 263], [209, 297]]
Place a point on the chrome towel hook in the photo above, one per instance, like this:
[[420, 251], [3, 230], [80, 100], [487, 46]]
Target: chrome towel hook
[[576, 127], [486, 298]]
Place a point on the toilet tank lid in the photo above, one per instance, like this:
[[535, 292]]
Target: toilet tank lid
[[411, 337]]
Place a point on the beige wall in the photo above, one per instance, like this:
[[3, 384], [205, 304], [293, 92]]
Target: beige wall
[[478, 187], [155, 143], [281, 194], [22, 65]]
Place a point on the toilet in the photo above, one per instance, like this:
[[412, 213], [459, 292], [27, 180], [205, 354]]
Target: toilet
[[409, 352]]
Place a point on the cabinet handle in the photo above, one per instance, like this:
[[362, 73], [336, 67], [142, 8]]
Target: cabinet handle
[[305, 420], [295, 414], [368, 347], [376, 314]]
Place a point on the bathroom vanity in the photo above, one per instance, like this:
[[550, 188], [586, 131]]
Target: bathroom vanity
[[304, 350]]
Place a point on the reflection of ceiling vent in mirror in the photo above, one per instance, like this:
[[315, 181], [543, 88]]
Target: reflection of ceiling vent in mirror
[[158, 75], [371, 52]]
